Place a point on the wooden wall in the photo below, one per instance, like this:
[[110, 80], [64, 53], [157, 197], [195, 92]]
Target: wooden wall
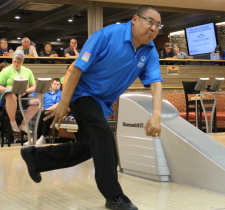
[[48, 70], [187, 73]]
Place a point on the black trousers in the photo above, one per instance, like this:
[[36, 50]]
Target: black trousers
[[43, 126], [95, 139]]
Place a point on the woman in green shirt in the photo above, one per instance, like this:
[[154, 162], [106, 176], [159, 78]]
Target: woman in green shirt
[[9, 99]]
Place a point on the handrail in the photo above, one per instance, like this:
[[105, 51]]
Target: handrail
[[166, 60], [41, 58], [192, 60]]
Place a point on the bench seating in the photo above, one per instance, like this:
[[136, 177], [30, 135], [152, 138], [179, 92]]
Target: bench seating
[[178, 100]]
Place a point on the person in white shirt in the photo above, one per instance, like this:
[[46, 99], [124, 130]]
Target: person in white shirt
[[28, 50]]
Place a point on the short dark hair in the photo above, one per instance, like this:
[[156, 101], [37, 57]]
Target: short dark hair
[[47, 43], [74, 39], [219, 48], [142, 9], [56, 79]]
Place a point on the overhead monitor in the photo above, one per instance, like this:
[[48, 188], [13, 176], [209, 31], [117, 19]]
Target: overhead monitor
[[201, 39]]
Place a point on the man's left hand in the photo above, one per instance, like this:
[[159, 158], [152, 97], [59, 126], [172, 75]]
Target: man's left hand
[[153, 126]]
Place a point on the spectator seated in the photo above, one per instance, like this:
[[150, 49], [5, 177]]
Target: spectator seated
[[51, 100], [9, 100], [28, 50]]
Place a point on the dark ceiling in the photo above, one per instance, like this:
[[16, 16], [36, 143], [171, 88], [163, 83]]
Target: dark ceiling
[[42, 26]]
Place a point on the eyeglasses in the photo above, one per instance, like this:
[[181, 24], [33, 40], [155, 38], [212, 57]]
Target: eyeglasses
[[152, 22]]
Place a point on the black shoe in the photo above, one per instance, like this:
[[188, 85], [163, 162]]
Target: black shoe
[[121, 202], [25, 153]]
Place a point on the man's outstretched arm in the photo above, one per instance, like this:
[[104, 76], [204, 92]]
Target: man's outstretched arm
[[62, 108], [153, 125]]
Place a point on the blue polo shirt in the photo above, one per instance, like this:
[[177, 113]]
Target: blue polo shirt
[[110, 64], [51, 98]]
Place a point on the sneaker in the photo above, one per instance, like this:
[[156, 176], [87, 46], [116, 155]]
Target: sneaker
[[15, 127], [121, 202], [27, 157], [24, 128], [41, 141], [27, 143], [16, 130]]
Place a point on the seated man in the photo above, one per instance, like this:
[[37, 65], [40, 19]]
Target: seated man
[[48, 52], [29, 51], [166, 52], [72, 50], [51, 100]]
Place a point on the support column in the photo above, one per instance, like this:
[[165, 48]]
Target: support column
[[95, 17]]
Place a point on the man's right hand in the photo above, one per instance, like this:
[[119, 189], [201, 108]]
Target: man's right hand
[[58, 113], [62, 108]]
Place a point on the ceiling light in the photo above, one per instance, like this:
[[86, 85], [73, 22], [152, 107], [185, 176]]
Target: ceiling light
[[17, 17], [19, 37], [58, 40], [70, 19], [177, 32], [222, 23], [61, 48]]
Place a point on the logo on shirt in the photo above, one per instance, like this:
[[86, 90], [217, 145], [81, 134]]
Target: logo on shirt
[[86, 56], [143, 59], [53, 98], [141, 63]]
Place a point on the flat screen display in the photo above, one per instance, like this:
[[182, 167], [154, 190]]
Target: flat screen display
[[201, 39]]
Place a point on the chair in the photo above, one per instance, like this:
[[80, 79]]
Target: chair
[[6, 127], [189, 88]]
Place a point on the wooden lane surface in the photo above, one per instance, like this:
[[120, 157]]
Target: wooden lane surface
[[219, 137], [75, 189]]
